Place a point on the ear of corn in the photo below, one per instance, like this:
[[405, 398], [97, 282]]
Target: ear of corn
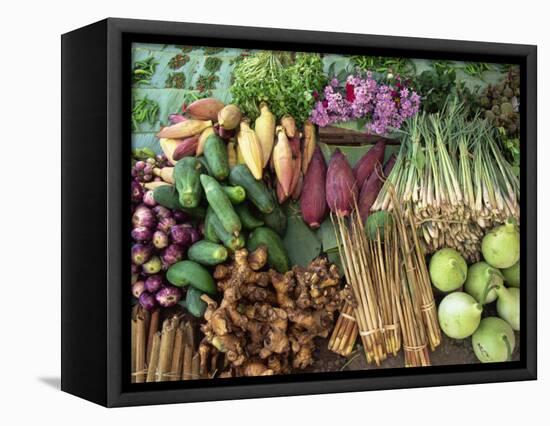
[[282, 160], [251, 149], [240, 158], [184, 129], [202, 139], [168, 147], [231, 154], [265, 130], [310, 141]]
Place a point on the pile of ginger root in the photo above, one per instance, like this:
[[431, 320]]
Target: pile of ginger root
[[266, 322]]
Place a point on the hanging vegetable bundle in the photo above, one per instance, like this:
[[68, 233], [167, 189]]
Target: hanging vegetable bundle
[[456, 177]]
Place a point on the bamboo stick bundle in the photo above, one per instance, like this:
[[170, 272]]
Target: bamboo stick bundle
[[140, 345], [177, 355], [168, 335], [195, 367], [153, 328], [352, 249], [153, 363], [187, 367], [345, 332]]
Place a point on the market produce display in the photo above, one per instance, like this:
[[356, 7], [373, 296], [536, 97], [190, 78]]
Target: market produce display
[[300, 212]]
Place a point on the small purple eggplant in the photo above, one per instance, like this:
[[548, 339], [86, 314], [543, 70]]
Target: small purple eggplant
[[148, 199], [137, 191], [172, 254], [165, 224], [141, 253], [196, 235], [152, 266], [161, 212], [138, 288], [153, 283], [147, 300], [141, 233], [143, 216], [181, 234], [160, 239], [180, 216], [168, 296]]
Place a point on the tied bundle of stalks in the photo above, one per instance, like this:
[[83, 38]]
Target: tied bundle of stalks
[[345, 332], [453, 173], [167, 350], [393, 299]]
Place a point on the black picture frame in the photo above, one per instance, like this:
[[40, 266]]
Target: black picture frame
[[95, 250]]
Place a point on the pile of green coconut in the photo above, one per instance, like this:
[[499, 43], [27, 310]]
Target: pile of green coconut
[[469, 289]]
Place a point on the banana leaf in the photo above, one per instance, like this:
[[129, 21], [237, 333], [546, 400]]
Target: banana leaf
[[301, 243]]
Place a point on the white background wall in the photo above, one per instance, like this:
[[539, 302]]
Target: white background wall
[[30, 206]]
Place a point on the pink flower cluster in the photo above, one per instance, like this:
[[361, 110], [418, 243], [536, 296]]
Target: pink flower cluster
[[385, 106]]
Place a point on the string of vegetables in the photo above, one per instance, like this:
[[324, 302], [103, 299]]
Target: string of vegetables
[[143, 71], [144, 110]]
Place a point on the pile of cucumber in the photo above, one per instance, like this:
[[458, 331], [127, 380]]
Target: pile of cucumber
[[237, 211]]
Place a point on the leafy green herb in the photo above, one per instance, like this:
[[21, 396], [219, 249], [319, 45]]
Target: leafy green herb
[[212, 50], [476, 69], [511, 149], [212, 64], [435, 85], [178, 61], [285, 81], [144, 110], [143, 71], [385, 65], [175, 80], [206, 83]]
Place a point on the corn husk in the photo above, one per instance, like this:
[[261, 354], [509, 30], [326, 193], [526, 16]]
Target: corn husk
[[265, 130], [168, 147], [282, 161], [231, 154], [184, 129], [202, 139], [310, 142], [251, 149]]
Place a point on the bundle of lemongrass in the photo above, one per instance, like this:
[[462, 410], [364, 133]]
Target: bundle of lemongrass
[[453, 174], [393, 299]]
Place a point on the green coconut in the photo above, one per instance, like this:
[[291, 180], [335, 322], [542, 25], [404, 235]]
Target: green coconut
[[511, 275], [494, 340], [459, 315], [508, 305], [482, 281], [500, 246], [448, 269]]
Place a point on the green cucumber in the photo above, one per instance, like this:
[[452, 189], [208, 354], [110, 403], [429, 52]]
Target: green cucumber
[[276, 220], [219, 201], [207, 253], [256, 191], [204, 163], [188, 272], [193, 302], [187, 173], [215, 153], [209, 230], [167, 196], [236, 194], [276, 254], [248, 219], [229, 240]]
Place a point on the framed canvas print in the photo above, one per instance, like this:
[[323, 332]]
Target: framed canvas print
[[252, 212]]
